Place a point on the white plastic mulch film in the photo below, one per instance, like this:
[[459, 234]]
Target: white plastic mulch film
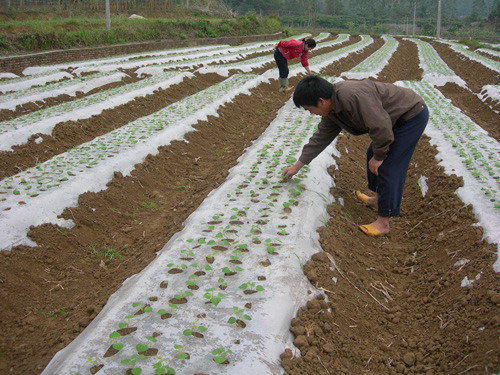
[[226, 287], [467, 150]]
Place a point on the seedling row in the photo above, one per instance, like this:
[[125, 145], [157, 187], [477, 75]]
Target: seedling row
[[215, 298], [256, 62], [435, 69], [18, 130], [473, 55], [374, 64], [477, 151], [94, 162], [67, 87]]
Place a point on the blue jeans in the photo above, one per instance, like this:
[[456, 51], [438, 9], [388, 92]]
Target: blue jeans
[[389, 183], [282, 63]]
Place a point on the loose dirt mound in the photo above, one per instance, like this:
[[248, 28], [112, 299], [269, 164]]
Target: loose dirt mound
[[473, 107], [475, 74], [72, 133], [495, 58], [53, 291], [397, 306], [353, 59], [403, 65]]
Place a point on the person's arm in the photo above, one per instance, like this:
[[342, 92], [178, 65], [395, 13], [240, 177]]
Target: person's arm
[[304, 62], [326, 133], [379, 124]]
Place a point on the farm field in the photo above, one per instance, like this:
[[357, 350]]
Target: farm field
[[146, 229]]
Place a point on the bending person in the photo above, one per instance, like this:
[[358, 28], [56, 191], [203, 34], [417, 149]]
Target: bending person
[[394, 118], [287, 50]]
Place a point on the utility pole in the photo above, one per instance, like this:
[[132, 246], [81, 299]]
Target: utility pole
[[108, 15], [414, 17], [438, 28]]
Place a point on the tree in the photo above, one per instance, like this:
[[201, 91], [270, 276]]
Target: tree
[[334, 7]]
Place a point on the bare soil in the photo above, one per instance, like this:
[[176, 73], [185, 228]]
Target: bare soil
[[402, 65], [473, 107], [53, 291], [6, 114], [353, 59], [69, 134], [475, 74], [397, 306]]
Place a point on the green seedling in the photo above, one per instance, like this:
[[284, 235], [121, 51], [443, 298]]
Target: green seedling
[[185, 295], [162, 369], [229, 272], [213, 296], [187, 253], [222, 283], [238, 315], [132, 360], [252, 287], [106, 253], [170, 310], [195, 330], [180, 354], [219, 355], [54, 313]]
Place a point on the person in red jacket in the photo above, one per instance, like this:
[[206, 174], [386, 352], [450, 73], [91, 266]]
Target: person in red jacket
[[289, 49]]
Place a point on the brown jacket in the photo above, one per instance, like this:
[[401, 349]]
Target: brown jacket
[[362, 107]]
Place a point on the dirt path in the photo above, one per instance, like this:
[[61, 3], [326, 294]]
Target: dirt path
[[402, 65], [473, 107], [353, 59], [395, 304], [53, 291], [475, 74]]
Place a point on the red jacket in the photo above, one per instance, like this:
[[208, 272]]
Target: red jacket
[[293, 48]]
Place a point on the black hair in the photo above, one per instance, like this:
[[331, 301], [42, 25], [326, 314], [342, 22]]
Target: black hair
[[310, 89], [310, 42]]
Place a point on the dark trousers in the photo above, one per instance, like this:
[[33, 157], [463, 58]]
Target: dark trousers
[[389, 183], [282, 63]]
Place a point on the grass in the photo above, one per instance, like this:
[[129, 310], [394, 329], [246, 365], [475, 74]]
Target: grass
[[85, 31], [54, 314], [153, 205], [104, 252]]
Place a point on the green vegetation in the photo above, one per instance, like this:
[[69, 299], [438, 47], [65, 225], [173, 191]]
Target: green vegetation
[[85, 31]]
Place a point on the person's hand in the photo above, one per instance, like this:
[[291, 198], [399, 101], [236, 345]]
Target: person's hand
[[292, 170], [374, 164]]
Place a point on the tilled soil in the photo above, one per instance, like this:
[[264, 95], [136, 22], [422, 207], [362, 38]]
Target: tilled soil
[[402, 65], [473, 107], [397, 306], [353, 59], [6, 114], [475, 74], [495, 58], [52, 292], [69, 134]]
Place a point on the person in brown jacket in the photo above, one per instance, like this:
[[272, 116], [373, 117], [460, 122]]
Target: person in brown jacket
[[393, 117]]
